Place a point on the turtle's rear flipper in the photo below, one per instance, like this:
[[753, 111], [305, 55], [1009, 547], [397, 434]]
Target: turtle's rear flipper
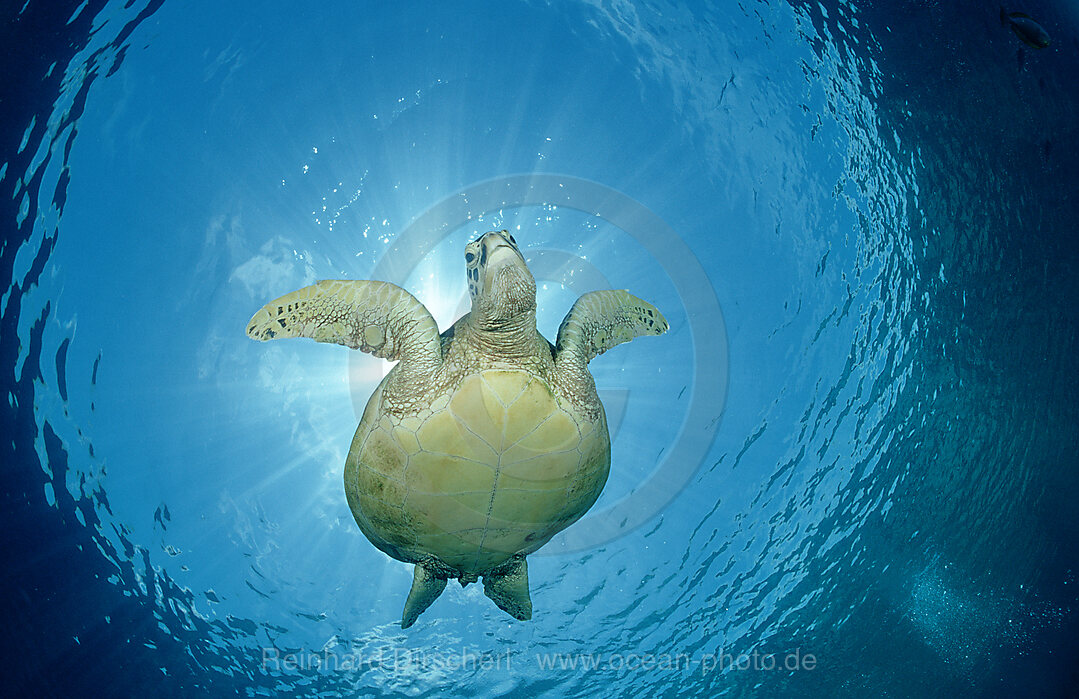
[[508, 588], [426, 587]]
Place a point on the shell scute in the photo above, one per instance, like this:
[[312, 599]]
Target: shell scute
[[445, 433], [440, 473]]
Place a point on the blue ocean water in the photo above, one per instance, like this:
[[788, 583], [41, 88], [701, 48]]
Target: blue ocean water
[[848, 469]]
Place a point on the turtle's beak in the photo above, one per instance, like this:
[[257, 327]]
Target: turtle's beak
[[498, 252], [504, 254]]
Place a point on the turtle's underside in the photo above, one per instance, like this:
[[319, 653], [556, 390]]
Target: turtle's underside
[[483, 443]]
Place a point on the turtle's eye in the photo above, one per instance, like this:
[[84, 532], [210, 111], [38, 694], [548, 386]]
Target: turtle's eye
[[469, 257], [512, 240]]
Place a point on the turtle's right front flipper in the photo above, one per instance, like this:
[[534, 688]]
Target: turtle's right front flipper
[[600, 320], [377, 317]]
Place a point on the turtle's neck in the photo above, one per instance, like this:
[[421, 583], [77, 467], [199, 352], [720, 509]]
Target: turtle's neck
[[503, 340]]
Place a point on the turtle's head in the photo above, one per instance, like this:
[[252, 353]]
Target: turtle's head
[[499, 282]]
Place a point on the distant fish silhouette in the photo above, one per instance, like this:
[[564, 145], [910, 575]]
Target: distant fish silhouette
[[1029, 32]]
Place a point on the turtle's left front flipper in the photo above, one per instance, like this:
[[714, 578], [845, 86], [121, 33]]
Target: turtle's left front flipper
[[376, 317], [601, 320]]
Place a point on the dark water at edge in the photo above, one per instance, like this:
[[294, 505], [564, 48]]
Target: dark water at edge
[[1000, 212], [55, 576]]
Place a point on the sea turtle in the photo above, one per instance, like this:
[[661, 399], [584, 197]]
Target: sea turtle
[[480, 444], [1029, 32]]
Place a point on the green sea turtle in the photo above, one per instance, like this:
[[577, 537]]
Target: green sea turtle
[[483, 442]]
